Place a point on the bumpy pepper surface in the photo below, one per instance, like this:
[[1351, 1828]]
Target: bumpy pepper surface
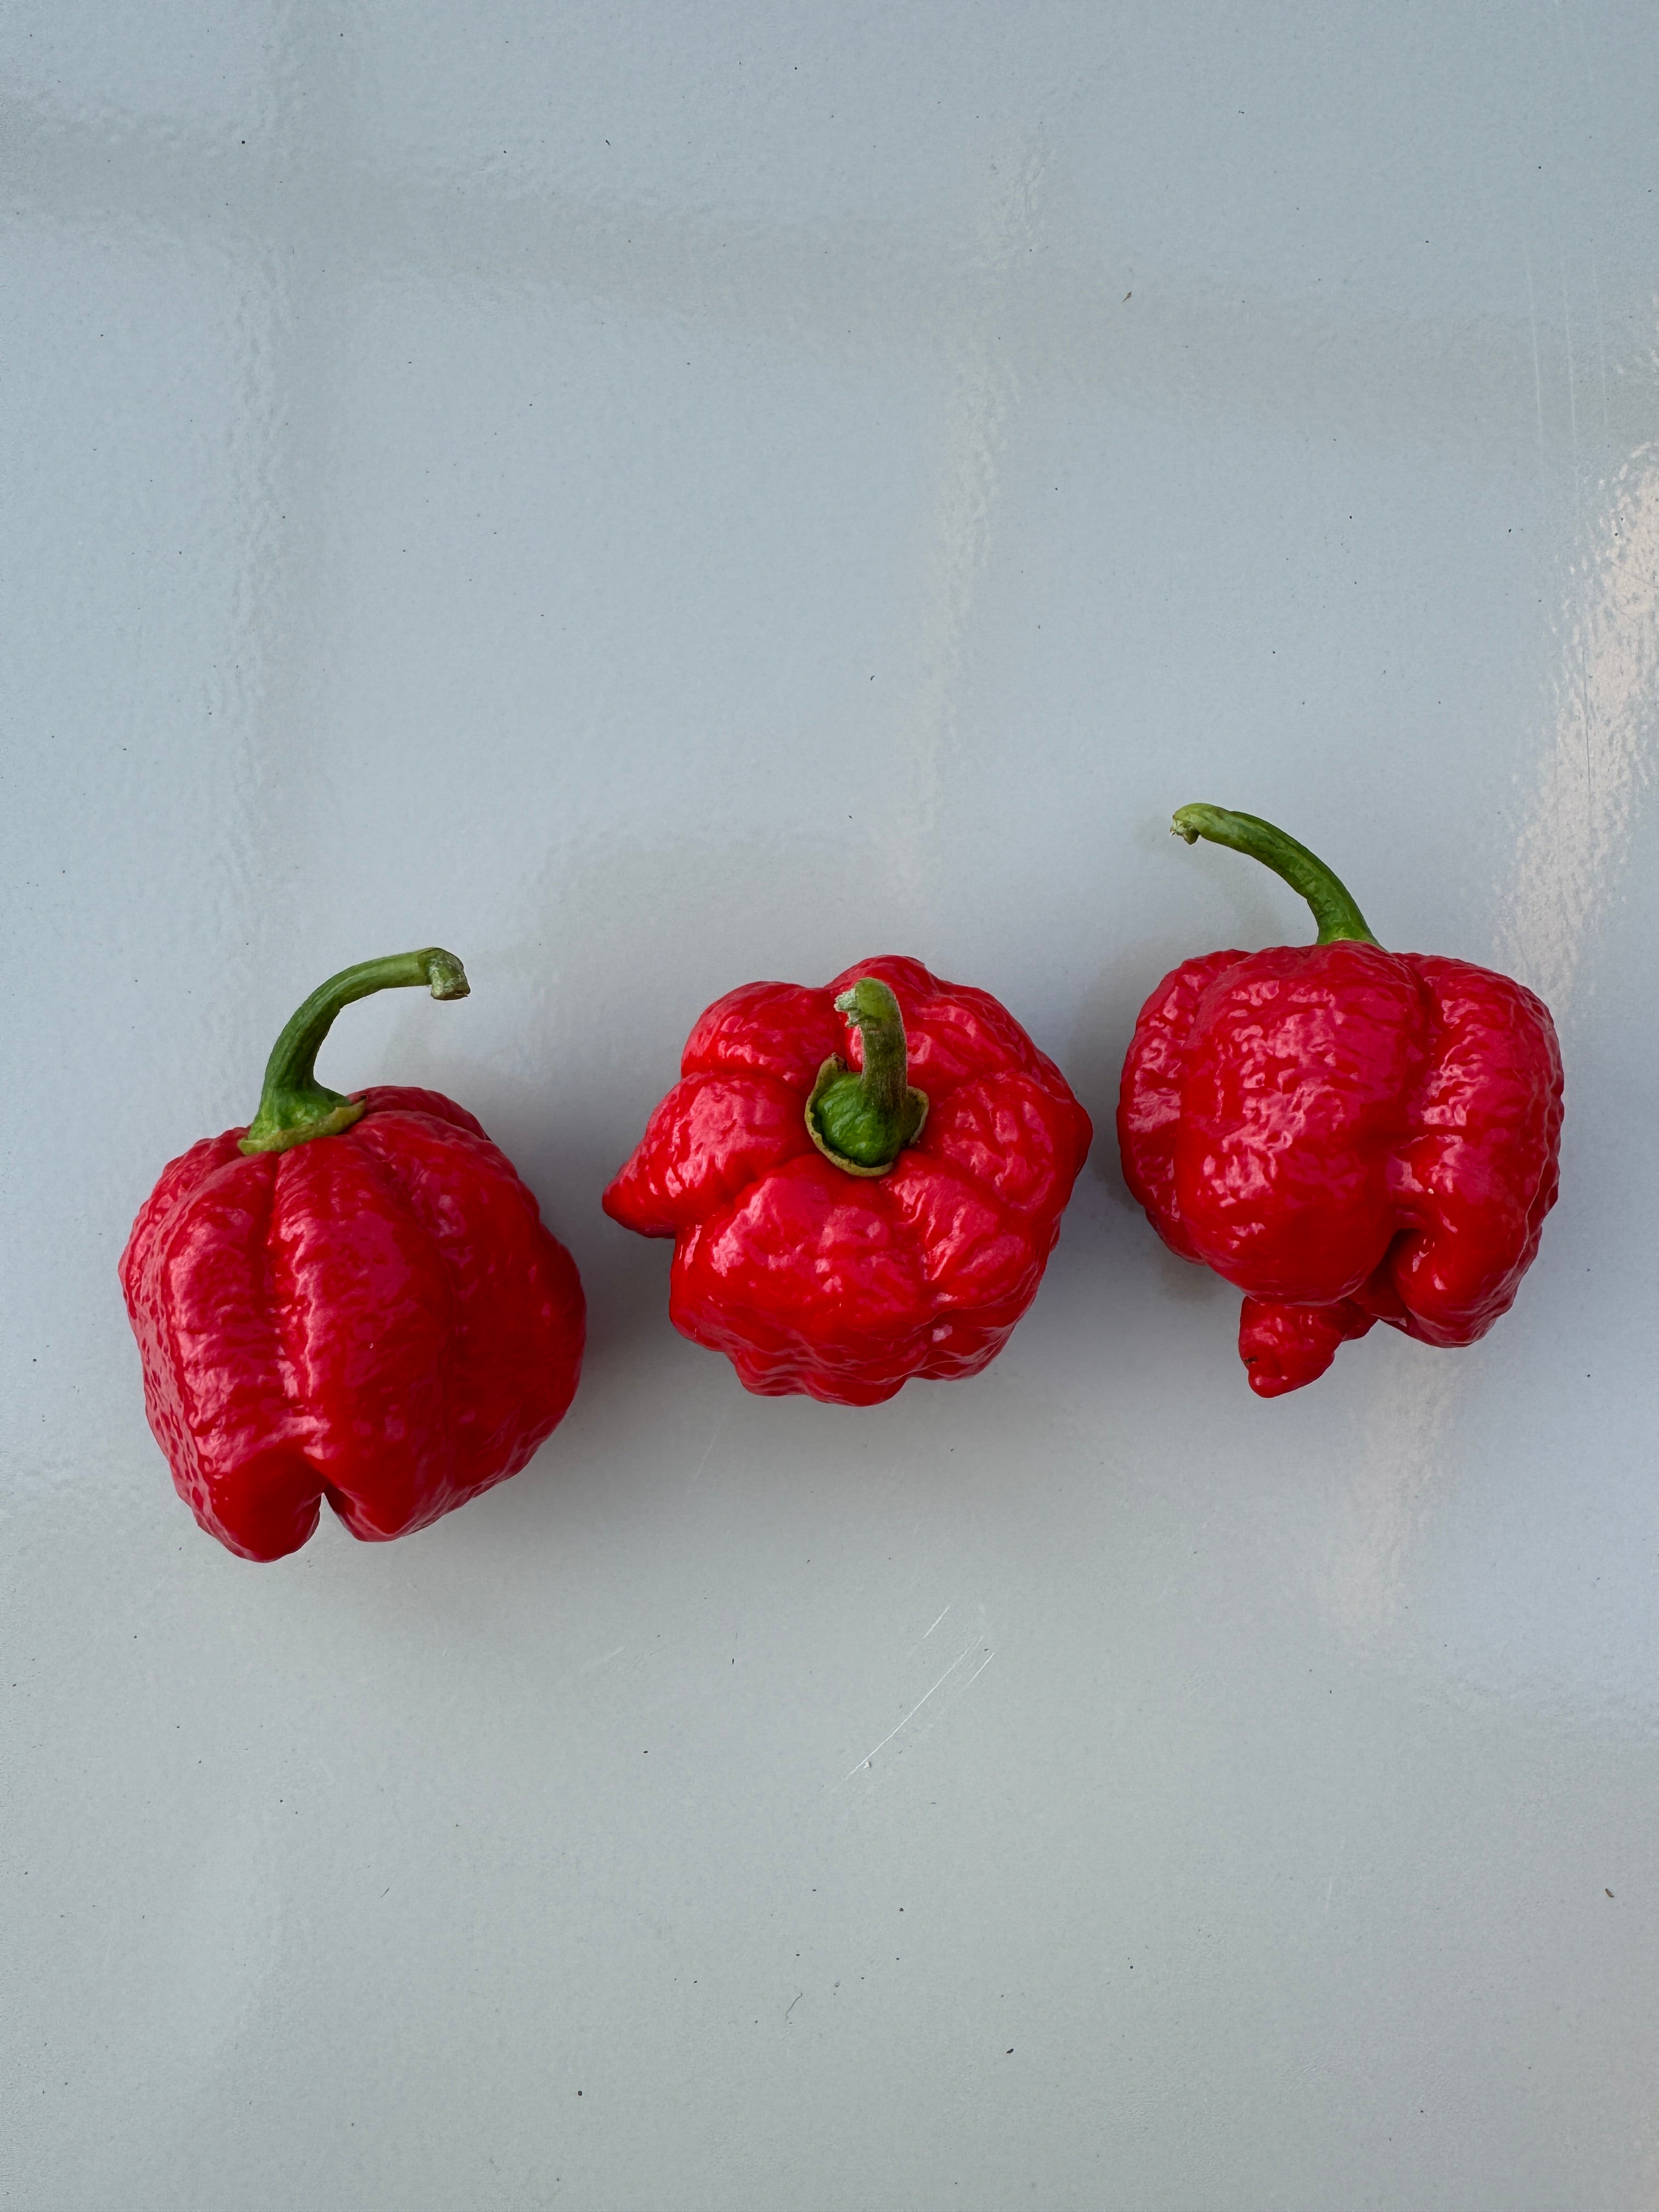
[[354, 1298], [1349, 1135], [840, 1229]]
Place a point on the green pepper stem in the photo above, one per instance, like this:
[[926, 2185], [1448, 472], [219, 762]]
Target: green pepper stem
[[1334, 909], [294, 1107], [863, 1121]]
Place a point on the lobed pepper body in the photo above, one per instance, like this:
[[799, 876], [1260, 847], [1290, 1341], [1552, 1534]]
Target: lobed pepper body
[[816, 1275], [1348, 1134], [374, 1316], [378, 1318]]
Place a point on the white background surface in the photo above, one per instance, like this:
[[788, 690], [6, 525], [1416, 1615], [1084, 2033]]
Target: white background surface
[[654, 496]]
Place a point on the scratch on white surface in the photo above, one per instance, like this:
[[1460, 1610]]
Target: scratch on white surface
[[1537, 366], [594, 1665], [138, 662], [714, 1438], [1341, 1854], [979, 1612], [917, 1707], [983, 390], [1573, 388]]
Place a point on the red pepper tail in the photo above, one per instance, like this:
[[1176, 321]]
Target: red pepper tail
[[1284, 1346]]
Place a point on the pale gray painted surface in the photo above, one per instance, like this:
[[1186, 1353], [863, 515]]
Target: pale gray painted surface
[[658, 495]]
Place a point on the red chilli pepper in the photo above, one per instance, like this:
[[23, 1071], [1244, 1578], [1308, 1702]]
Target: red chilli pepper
[[354, 1298], [1349, 1135], [840, 1228]]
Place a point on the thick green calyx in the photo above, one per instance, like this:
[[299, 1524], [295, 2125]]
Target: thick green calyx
[[1339, 920], [863, 1121], [294, 1107]]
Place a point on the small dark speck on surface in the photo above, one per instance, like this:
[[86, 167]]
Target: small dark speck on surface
[[1607, 1892]]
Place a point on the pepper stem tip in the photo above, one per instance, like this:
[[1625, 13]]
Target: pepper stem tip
[[445, 975], [863, 1120], [1333, 904]]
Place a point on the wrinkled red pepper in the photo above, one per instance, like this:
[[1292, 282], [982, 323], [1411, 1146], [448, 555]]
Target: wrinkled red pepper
[[352, 1300], [1349, 1135], [840, 1229]]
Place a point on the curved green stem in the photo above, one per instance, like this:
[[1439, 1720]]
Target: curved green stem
[[863, 1121], [1339, 919], [294, 1107]]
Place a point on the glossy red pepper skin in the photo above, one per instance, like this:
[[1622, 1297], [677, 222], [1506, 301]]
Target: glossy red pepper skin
[[1349, 1135], [374, 1316], [846, 1286]]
